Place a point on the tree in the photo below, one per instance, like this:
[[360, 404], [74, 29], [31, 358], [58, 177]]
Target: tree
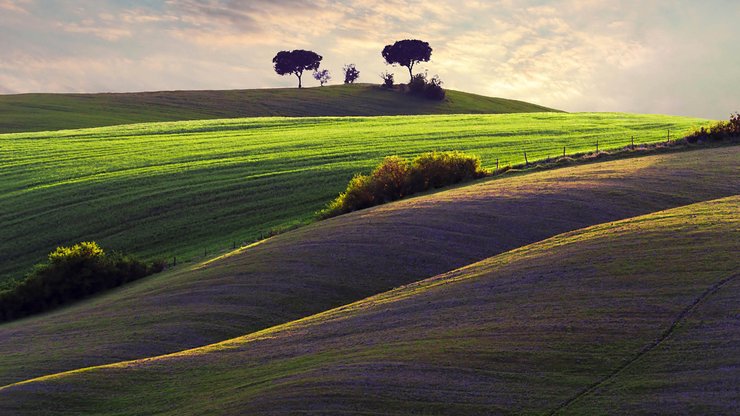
[[350, 73], [407, 53], [322, 76], [295, 62]]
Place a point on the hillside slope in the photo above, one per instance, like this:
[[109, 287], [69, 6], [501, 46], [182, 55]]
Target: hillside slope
[[182, 189], [347, 258], [39, 112], [526, 332]]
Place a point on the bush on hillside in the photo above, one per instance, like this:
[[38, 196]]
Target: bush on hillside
[[434, 90], [718, 131], [418, 84], [387, 79], [71, 273], [396, 178], [431, 89]]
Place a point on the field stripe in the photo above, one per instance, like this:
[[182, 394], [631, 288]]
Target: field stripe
[[646, 349]]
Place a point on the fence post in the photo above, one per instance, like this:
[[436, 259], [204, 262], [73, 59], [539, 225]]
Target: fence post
[[668, 139], [633, 142], [526, 162], [563, 151], [174, 261], [597, 146], [496, 172]]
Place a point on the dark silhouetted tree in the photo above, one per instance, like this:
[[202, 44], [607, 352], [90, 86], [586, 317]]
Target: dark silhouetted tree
[[407, 53], [350, 73], [295, 62], [322, 76]]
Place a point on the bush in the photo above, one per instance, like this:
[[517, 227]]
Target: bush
[[718, 131], [429, 88], [438, 169], [418, 84], [71, 273], [396, 178], [387, 79], [434, 89]]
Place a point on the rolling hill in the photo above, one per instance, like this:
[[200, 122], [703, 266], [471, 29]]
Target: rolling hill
[[334, 262], [38, 112], [622, 317], [189, 189]]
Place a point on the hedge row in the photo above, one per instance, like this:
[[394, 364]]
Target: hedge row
[[397, 177], [71, 273]]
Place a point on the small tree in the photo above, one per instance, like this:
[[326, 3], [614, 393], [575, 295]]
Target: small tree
[[350, 74], [322, 76], [387, 79], [407, 53], [295, 62]]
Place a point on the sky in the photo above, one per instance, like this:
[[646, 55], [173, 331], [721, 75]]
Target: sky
[[644, 56]]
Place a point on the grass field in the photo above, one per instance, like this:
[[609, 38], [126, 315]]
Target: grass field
[[179, 189], [334, 262], [570, 325], [38, 112]]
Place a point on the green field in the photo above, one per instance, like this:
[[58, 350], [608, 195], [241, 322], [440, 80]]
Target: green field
[[188, 189], [38, 112], [602, 320], [347, 258]]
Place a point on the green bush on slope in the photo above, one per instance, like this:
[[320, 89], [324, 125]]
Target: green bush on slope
[[71, 273], [396, 178]]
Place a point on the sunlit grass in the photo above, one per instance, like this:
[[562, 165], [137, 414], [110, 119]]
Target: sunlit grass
[[187, 189]]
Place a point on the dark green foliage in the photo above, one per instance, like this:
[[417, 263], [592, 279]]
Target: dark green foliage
[[418, 84], [407, 52], [718, 131], [71, 273], [434, 90], [427, 88], [295, 62], [396, 178]]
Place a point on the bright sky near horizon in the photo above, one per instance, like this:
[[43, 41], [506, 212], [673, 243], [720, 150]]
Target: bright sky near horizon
[[646, 56]]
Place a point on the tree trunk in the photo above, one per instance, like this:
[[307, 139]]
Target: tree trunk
[[299, 80], [411, 74]]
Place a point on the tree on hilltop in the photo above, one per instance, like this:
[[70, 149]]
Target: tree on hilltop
[[322, 76], [407, 53], [350, 73], [295, 62]]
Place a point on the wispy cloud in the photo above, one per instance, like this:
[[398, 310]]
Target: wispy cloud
[[15, 6]]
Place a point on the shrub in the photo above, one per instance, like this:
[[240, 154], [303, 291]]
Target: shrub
[[390, 179], [395, 178], [418, 84], [429, 88], [387, 79], [438, 169], [434, 89], [718, 131], [71, 273]]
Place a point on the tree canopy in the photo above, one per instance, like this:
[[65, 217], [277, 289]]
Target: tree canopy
[[407, 53], [350, 73], [295, 62]]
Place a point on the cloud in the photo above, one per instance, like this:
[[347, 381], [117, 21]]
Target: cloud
[[15, 6], [576, 55]]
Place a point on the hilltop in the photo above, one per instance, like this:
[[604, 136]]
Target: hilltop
[[344, 259], [39, 112], [598, 321]]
